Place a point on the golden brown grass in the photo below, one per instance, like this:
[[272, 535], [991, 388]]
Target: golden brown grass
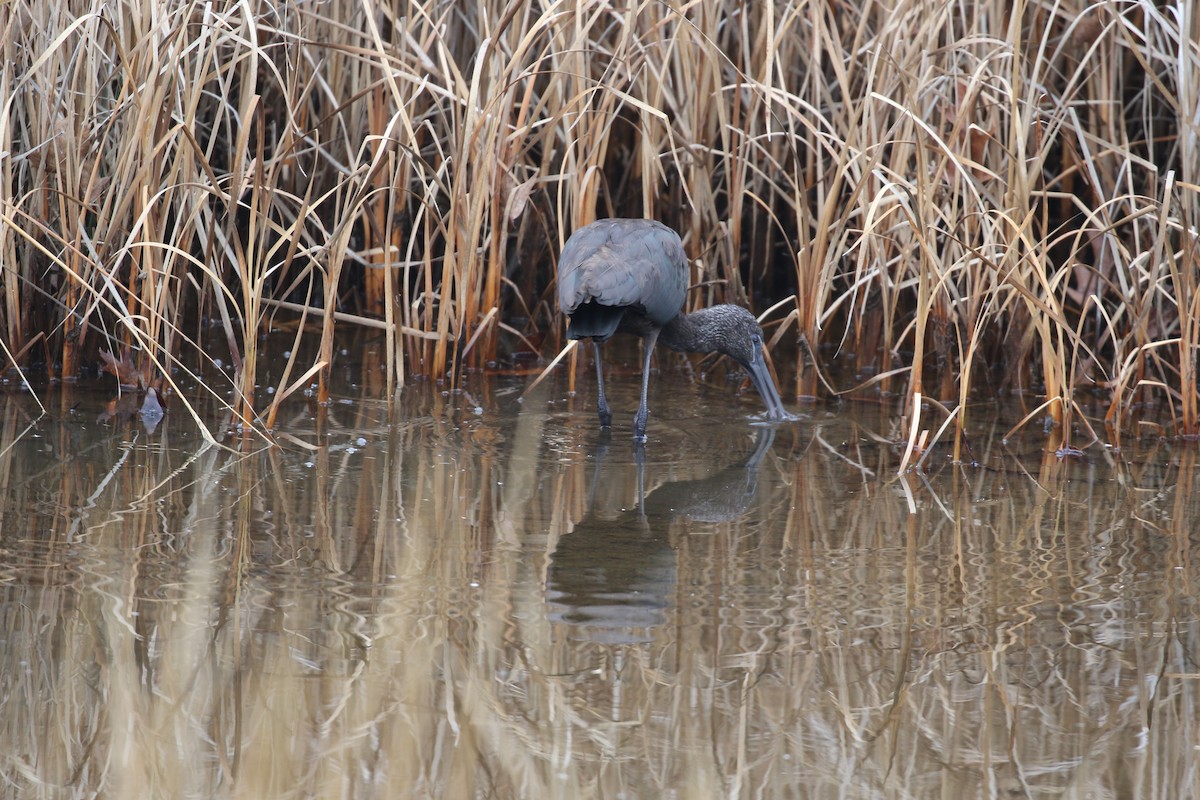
[[961, 196]]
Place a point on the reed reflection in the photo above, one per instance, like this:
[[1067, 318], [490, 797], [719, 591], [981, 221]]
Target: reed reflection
[[727, 611]]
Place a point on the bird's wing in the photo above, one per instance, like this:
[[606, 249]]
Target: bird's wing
[[624, 263]]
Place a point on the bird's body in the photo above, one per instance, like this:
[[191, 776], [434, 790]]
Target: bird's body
[[621, 274], [631, 276]]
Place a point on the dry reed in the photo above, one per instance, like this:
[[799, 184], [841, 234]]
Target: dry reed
[[956, 195]]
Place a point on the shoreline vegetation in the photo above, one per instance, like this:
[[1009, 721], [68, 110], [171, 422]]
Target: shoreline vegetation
[[959, 199]]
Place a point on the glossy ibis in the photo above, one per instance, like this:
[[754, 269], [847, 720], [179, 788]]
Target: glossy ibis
[[631, 276]]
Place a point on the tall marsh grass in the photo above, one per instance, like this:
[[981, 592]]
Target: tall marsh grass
[[956, 196]]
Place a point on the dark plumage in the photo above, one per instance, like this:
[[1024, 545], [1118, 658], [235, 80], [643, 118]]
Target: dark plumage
[[631, 276]]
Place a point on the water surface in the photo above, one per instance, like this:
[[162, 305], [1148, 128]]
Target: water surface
[[473, 596]]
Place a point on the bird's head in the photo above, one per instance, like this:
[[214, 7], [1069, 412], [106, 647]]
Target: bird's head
[[733, 331]]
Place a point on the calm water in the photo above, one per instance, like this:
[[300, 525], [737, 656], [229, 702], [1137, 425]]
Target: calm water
[[480, 597]]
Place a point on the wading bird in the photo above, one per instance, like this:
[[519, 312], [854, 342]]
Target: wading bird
[[630, 276]]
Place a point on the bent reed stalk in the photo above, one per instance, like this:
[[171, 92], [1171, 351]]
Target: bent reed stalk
[[961, 195]]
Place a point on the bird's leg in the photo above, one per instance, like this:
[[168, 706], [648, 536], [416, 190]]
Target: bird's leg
[[601, 400], [643, 414]]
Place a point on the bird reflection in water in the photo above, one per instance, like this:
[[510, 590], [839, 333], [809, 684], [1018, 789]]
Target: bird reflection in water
[[612, 577]]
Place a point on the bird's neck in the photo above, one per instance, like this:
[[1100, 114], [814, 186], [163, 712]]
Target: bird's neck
[[690, 333]]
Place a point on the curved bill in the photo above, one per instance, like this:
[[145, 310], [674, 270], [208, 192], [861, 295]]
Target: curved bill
[[760, 376]]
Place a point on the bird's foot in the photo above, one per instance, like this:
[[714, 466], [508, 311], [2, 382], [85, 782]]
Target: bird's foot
[[603, 410], [639, 425]]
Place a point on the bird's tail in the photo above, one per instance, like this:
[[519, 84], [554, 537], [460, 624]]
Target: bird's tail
[[592, 320]]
